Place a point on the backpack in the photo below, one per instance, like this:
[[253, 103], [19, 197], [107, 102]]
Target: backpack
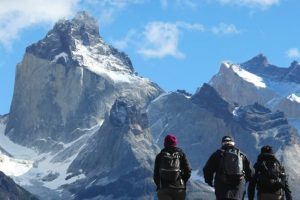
[[170, 166], [270, 175], [231, 168]]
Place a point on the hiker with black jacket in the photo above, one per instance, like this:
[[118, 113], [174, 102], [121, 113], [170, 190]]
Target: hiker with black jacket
[[227, 170], [171, 171], [269, 179]]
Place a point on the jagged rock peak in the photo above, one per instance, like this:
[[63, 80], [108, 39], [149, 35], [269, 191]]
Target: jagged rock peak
[[124, 112], [209, 98], [256, 62], [82, 26], [79, 35], [62, 37], [295, 64]]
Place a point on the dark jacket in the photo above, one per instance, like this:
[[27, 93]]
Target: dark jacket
[[253, 182], [184, 167], [212, 172]]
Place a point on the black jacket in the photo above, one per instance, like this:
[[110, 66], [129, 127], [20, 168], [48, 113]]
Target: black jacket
[[253, 182], [184, 167], [212, 172]]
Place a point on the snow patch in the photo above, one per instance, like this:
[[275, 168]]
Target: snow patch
[[14, 149], [104, 65], [249, 77], [195, 176], [42, 169], [294, 98], [12, 166], [235, 112], [63, 55]]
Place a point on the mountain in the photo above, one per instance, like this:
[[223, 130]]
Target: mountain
[[10, 190], [68, 82], [118, 159], [258, 81], [83, 125], [201, 120], [65, 88]]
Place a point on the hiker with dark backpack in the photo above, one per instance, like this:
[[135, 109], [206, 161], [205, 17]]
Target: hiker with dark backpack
[[227, 170], [171, 171], [269, 179]]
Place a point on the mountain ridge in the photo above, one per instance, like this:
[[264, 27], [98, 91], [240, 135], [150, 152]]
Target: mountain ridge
[[92, 127]]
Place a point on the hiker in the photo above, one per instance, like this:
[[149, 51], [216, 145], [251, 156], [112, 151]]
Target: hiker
[[171, 171], [270, 178], [230, 169]]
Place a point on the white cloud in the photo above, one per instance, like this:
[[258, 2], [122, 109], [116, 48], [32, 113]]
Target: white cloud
[[293, 53], [179, 3], [130, 37], [225, 29], [16, 15], [189, 26], [251, 3], [109, 9], [161, 39]]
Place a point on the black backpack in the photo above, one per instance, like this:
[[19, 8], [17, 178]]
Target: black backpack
[[170, 166], [270, 175], [231, 169]]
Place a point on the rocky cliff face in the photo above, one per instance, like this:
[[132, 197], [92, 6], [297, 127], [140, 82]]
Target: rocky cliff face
[[90, 128], [118, 159], [200, 122], [10, 190], [67, 82], [258, 81]]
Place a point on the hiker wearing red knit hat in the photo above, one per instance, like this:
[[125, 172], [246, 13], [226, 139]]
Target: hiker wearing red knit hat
[[171, 171]]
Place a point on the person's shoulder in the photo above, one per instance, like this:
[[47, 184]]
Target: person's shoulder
[[241, 152], [179, 150]]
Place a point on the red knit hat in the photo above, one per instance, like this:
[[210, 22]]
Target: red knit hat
[[170, 140]]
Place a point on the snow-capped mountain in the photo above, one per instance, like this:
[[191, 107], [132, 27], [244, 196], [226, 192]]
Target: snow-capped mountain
[[83, 125], [258, 81], [67, 82], [65, 88], [10, 190], [202, 119]]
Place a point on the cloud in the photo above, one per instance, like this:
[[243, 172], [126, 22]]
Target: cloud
[[179, 3], [190, 27], [130, 37], [17, 15], [293, 53], [162, 39], [251, 3], [109, 9], [225, 29]]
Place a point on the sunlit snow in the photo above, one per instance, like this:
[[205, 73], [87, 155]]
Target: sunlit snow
[[37, 167], [294, 98], [247, 76]]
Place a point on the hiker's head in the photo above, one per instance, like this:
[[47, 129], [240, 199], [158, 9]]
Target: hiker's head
[[227, 141], [170, 140], [266, 149]]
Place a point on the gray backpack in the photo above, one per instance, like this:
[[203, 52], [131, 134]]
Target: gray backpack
[[231, 169], [170, 166]]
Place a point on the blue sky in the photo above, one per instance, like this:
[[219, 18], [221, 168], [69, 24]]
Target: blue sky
[[178, 44]]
